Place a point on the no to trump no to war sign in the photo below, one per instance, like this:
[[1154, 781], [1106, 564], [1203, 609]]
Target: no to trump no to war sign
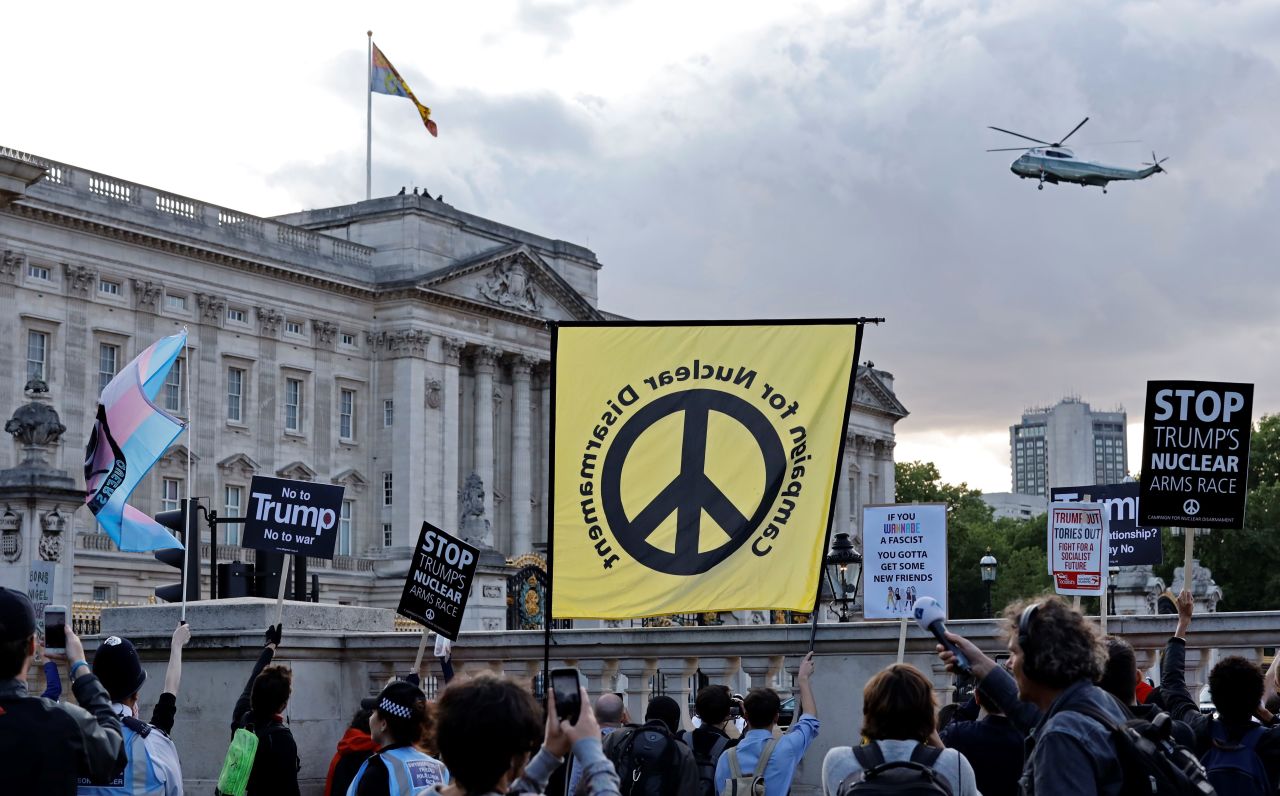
[[292, 516], [904, 558], [439, 582], [1078, 555], [693, 465], [1195, 453]]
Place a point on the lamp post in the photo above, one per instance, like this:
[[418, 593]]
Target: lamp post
[[1111, 590], [839, 558], [988, 566]]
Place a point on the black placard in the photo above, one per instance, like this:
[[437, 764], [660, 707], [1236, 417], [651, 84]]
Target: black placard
[[1195, 454], [292, 516], [439, 581], [1130, 544]]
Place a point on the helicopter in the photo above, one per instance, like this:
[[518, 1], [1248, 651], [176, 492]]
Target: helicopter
[[1053, 163]]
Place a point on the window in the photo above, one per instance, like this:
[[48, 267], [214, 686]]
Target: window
[[231, 502], [349, 339], [176, 303], [293, 405], [108, 364], [344, 527], [37, 355], [388, 413], [346, 414], [235, 315], [107, 287], [386, 534], [173, 387], [38, 272], [104, 593], [293, 327], [170, 494], [386, 489], [235, 394]]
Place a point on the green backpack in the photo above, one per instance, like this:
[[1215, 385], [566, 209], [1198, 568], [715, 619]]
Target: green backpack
[[238, 763]]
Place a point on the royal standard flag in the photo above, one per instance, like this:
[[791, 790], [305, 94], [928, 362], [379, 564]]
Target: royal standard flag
[[130, 434], [384, 79], [694, 464]]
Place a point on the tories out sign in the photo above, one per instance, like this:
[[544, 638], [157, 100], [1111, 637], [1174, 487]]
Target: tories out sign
[[292, 516], [439, 583], [905, 557], [1195, 453], [1129, 544], [1078, 548]]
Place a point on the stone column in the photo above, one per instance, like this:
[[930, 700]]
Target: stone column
[[545, 469], [450, 349], [521, 460], [639, 673], [485, 359]]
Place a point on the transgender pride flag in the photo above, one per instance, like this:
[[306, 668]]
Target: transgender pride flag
[[130, 434]]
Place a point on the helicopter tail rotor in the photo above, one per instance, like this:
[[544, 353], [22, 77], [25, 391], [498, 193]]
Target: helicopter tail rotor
[[1156, 163]]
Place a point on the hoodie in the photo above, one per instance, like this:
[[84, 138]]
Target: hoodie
[[354, 748]]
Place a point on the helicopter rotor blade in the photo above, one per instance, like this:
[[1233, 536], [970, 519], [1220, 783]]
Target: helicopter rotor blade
[[1109, 143], [1073, 132], [1019, 135], [1013, 149]]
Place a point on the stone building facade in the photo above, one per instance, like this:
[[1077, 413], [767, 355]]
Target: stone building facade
[[394, 346]]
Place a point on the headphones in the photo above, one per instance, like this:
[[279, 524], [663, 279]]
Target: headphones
[[1024, 626]]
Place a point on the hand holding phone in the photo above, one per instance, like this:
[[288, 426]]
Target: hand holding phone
[[565, 684], [55, 629]]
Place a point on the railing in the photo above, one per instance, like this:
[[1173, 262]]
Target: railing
[[228, 553], [86, 615]]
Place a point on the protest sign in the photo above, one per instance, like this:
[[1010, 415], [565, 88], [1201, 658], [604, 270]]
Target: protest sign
[[1078, 548], [299, 517], [439, 582], [1195, 454], [1128, 543], [904, 558], [40, 582]]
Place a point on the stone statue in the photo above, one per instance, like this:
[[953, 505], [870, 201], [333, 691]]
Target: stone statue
[[35, 423], [509, 286], [476, 528]]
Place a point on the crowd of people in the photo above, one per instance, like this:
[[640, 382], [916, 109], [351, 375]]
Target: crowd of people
[[1067, 711]]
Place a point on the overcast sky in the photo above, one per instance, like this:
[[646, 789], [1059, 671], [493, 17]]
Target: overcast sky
[[733, 159]]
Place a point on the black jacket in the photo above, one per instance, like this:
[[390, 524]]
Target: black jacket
[[275, 766], [49, 744], [993, 746]]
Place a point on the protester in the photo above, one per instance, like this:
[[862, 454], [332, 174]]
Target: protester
[[487, 728], [762, 706], [1056, 656], [47, 744], [989, 741], [710, 738], [649, 758], [1240, 756], [611, 715], [398, 767], [354, 748], [260, 709], [1120, 678], [898, 720], [152, 767]]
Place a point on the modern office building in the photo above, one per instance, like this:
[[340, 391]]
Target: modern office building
[[1067, 444]]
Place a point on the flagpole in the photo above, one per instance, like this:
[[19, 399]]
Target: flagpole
[[186, 535], [368, 122]]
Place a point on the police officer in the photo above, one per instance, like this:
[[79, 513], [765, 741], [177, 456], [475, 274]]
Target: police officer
[[152, 767], [45, 745], [398, 768]]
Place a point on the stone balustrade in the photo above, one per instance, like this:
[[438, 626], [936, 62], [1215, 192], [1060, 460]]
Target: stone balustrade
[[340, 654]]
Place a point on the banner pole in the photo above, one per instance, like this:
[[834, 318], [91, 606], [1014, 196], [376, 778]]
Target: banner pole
[[1075, 602], [1103, 608], [902, 639], [189, 538], [284, 579], [859, 328], [1188, 556], [368, 122], [551, 521], [422, 648]]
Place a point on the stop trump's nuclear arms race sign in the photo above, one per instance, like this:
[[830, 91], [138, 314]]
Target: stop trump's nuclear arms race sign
[[694, 464]]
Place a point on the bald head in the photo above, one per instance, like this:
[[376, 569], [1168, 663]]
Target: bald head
[[609, 709]]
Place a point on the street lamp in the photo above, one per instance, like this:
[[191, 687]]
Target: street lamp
[[839, 558], [988, 566]]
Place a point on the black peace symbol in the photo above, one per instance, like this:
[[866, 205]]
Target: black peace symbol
[[691, 492]]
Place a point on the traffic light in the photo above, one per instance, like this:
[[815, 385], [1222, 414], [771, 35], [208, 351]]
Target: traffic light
[[181, 520]]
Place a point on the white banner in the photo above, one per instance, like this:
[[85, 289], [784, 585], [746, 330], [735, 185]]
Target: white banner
[[1078, 550], [904, 558]]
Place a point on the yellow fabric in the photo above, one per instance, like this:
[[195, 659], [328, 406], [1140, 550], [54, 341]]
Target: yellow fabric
[[694, 465]]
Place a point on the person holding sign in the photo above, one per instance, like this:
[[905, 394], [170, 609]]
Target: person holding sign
[[260, 710], [397, 768]]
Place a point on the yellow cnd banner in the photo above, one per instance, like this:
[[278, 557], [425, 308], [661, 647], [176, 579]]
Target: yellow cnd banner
[[694, 464]]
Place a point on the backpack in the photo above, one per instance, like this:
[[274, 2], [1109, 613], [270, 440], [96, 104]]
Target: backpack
[[648, 762], [751, 784], [1235, 768], [706, 759], [914, 777], [1153, 764], [239, 763]]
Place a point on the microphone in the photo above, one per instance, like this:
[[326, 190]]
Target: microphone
[[930, 618]]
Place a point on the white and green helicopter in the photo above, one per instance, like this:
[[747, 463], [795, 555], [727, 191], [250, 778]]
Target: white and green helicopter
[[1054, 163]]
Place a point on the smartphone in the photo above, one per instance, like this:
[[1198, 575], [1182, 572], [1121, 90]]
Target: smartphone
[[565, 684], [55, 629]]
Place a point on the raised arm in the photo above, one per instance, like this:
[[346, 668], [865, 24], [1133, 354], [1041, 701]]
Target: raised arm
[[274, 634], [162, 716], [1173, 669], [804, 678]]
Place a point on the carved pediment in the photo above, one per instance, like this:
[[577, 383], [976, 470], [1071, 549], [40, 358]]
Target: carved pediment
[[238, 464], [513, 279], [870, 392], [176, 457], [352, 479], [297, 471]]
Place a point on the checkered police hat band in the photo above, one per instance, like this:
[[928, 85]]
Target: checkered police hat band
[[387, 706]]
